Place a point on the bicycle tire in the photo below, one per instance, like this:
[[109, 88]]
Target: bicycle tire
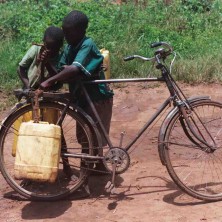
[[196, 171], [63, 186]]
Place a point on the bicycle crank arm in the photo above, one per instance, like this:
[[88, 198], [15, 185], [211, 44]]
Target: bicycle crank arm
[[110, 186], [114, 173]]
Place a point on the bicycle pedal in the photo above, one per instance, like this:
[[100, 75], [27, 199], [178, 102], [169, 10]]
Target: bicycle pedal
[[108, 185], [113, 190], [110, 188], [86, 188]]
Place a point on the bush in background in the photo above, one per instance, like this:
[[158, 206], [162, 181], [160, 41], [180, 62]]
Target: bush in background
[[193, 27]]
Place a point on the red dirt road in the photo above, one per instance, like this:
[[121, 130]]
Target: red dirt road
[[144, 193]]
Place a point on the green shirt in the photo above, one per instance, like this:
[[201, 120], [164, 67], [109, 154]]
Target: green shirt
[[88, 58], [29, 61]]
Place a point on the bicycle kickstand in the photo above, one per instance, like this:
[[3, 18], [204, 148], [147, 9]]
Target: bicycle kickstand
[[110, 186]]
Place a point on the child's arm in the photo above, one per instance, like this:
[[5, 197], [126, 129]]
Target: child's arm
[[67, 74], [52, 72], [25, 64], [44, 57], [51, 69], [22, 72]]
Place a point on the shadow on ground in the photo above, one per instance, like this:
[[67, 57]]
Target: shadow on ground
[[43, 210]]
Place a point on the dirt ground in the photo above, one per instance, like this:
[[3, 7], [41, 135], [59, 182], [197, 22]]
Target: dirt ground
[[144, 193]]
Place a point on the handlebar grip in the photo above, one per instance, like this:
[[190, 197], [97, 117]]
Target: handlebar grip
[[128, 58], [156, 44]]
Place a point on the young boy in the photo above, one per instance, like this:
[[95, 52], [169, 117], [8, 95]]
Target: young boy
[[82, 59], [38, 64], [31, 66]]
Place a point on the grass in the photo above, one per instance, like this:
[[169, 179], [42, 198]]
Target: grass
[[193, 29]]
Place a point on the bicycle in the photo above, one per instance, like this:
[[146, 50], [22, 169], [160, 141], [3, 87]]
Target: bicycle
[[189, 139]]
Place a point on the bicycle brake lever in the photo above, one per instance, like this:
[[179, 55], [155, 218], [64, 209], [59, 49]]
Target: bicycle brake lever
[[155, 44]]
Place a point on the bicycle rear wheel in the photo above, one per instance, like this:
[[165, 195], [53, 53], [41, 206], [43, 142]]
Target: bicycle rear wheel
[[193, 168], [63, 186]]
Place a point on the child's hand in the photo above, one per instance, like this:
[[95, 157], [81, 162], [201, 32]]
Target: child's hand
[[45, 85], [104, 67], [43, 55]]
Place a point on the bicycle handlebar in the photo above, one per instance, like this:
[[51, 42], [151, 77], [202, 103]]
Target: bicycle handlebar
[[138, 56], [128, 58], [161, 52], [155, 44], [167, 45]]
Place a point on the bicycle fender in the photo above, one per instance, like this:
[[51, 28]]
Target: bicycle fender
[[13, 109], [167, 120]]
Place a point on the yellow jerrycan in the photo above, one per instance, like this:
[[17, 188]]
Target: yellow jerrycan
[[49, 115], [106, 62], [25, 118], [38, 151]]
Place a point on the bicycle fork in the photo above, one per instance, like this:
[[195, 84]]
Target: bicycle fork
[[191, 123]]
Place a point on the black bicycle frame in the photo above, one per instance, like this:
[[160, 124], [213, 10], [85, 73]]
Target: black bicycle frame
[[149, 122]]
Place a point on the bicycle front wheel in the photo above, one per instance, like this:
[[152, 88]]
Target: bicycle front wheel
[[72, 172], [190, 163]]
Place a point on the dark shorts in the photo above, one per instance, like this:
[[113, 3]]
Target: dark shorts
[[104, 109]]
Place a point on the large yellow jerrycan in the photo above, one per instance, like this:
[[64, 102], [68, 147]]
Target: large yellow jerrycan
[[38, 151], [106, 62], [25, 118], [49, 115]]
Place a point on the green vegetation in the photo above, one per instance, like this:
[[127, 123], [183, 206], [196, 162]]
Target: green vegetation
[[193, 27]]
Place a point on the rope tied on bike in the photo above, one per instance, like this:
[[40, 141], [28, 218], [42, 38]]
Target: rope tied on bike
[[36, 116], [41, 61]]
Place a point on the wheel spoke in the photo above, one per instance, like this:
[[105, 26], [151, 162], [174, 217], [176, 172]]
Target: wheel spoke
[[68, 166], [193, 168]]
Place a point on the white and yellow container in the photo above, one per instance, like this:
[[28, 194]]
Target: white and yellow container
[[49, 115], [25, 118], [106, 62], [38, 151]]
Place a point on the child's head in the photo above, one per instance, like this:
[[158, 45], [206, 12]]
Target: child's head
[[74, 26], [53, 39]]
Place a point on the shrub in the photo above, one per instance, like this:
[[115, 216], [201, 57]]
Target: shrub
[[193, 27]]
